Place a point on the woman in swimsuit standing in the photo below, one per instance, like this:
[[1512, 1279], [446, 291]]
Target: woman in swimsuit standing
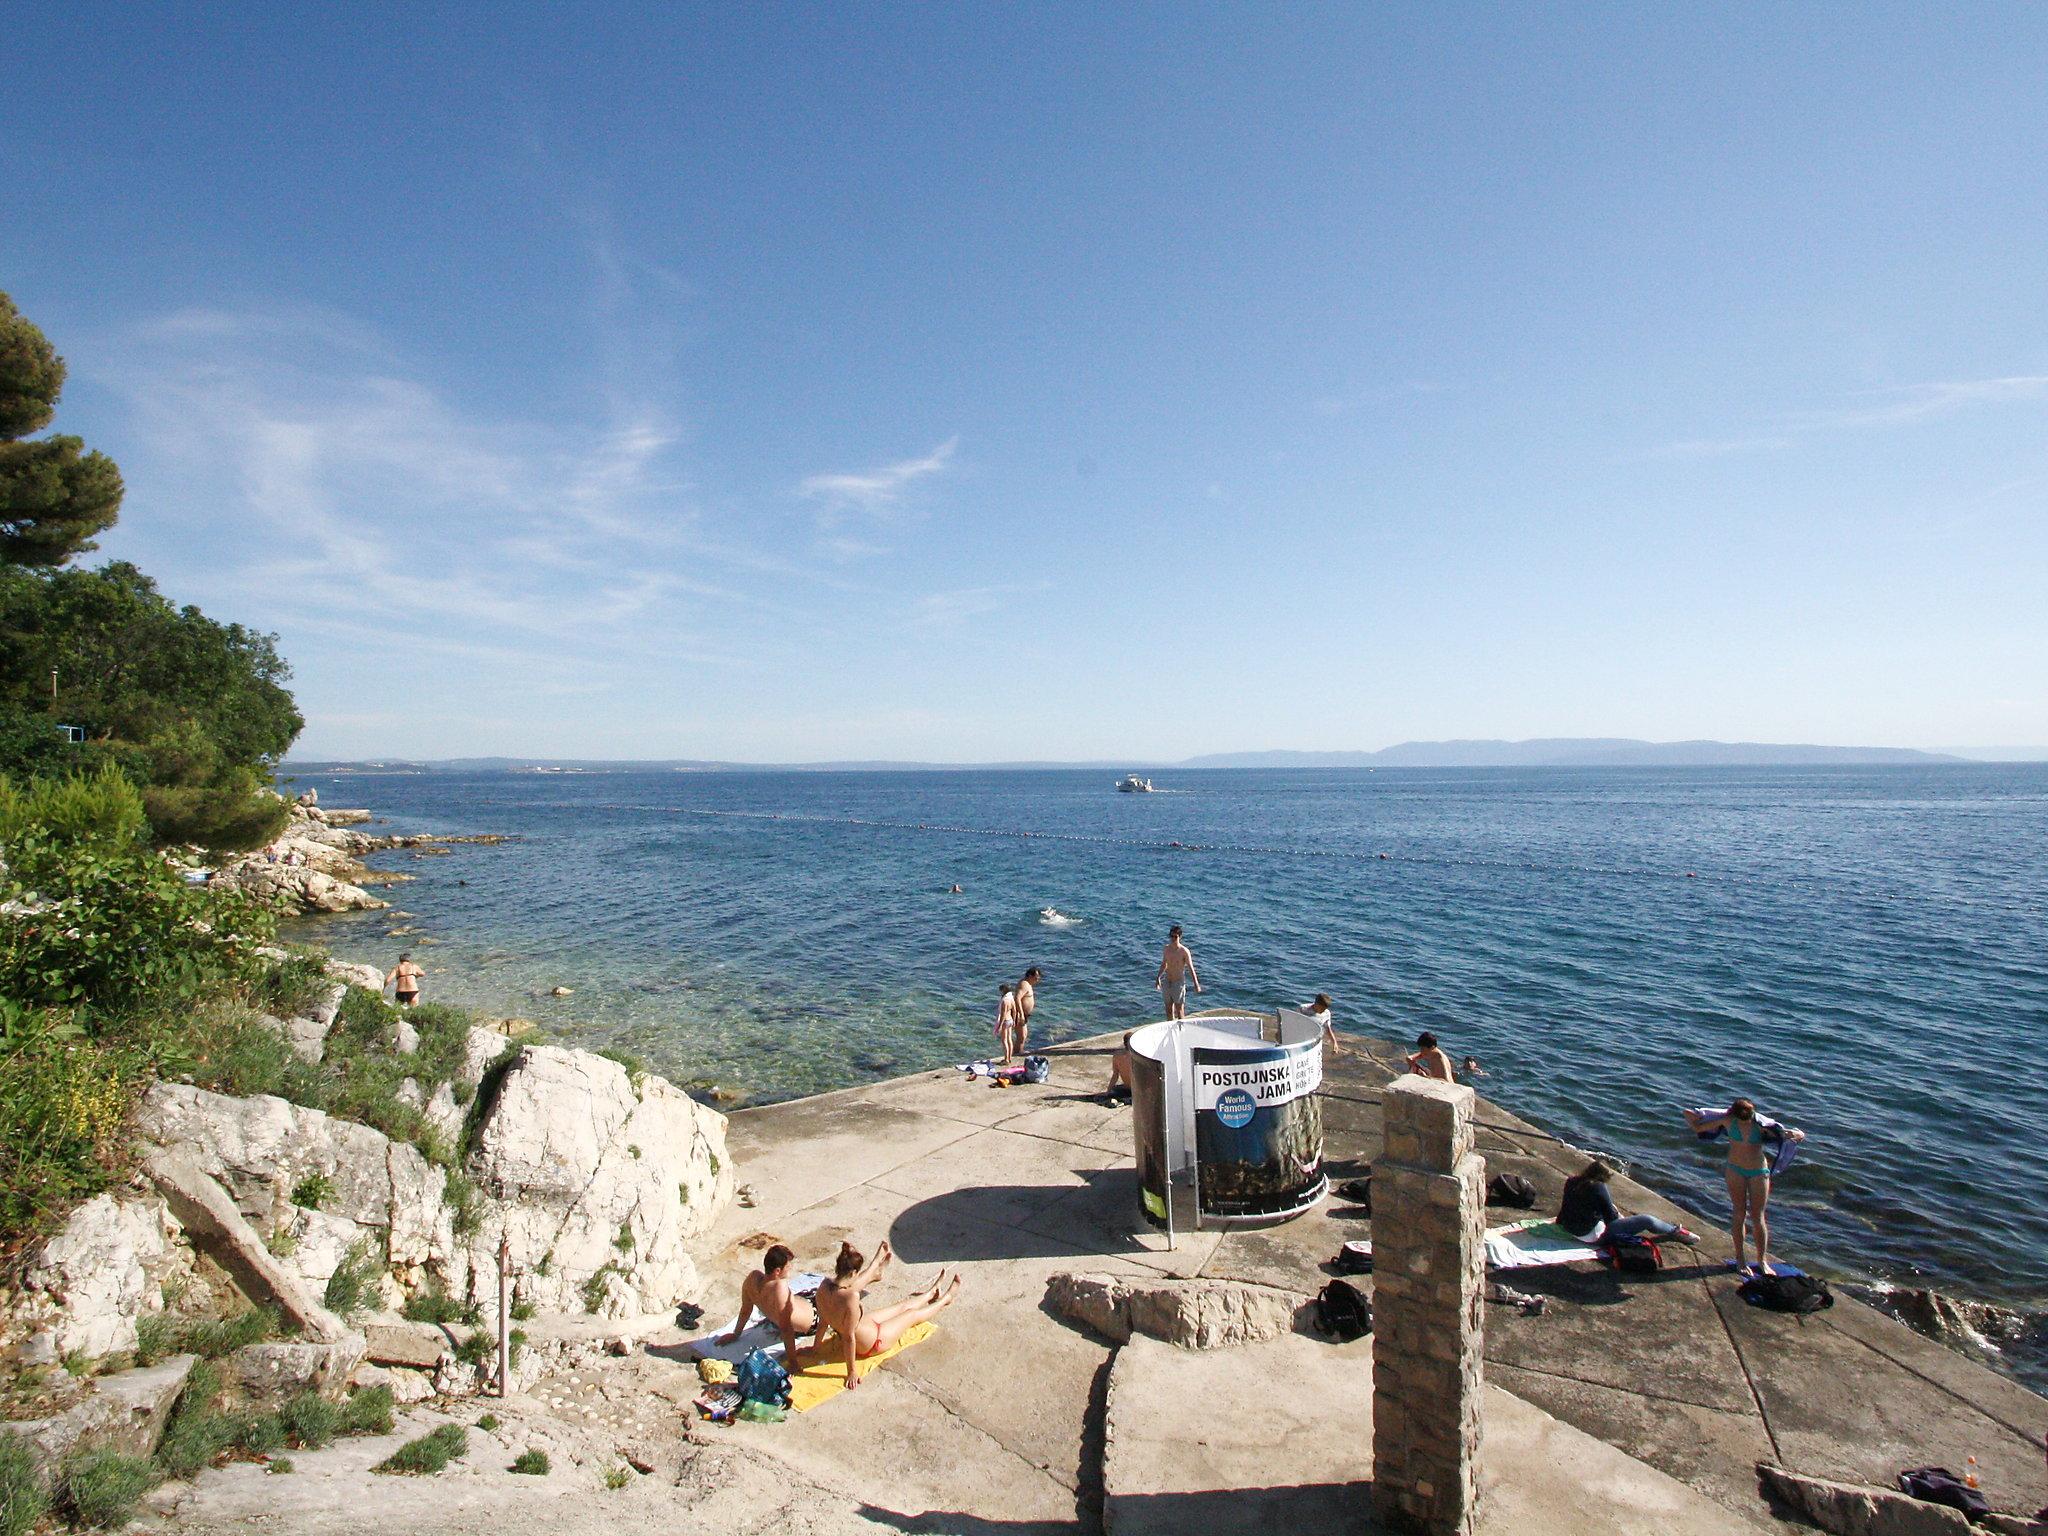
[[860, 1334], [1749, 1173]]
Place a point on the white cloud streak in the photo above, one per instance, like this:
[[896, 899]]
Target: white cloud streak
[[876, 489], [1904, 406]]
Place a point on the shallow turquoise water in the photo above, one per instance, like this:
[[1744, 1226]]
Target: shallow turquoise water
[[1864, 951]]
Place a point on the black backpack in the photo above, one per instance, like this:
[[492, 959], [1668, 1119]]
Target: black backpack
[[1787, 1293], [1511, 1189], [1340, 1310], [1358, 1191], [1938, 1485]]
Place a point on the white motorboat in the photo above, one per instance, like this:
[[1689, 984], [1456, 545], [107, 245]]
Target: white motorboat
[[1131, 784]]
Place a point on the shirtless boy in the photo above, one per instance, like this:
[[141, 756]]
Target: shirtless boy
[[767, 1291], [1429, 1059], [405, 982], [1176, 973], [1027, 1004], [857, 1333]]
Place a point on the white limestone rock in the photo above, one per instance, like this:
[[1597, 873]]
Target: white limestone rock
[[601, 1182], [87, 1286], [1193, 1314], [368, 977]]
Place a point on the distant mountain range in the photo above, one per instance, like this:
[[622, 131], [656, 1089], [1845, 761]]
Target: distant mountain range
[[1545, 752]]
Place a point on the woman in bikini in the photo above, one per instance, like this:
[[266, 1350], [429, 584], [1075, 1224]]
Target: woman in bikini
[[1749, 1174], [860, 1334]]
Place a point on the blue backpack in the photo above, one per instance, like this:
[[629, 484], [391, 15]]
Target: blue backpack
[[761, 1379], [1037, 1069]]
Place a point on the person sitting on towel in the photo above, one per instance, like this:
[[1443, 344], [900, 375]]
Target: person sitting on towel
[[858, 1333], [767, 1291], [1588, 1212]]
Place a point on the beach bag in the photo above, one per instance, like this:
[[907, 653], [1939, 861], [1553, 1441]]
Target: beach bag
[[1341, 1311], [762, 1379], [1640, 1257], [1359, 1191], [1511, 1189], [1787, 1293], [1354, 1259], [1938, 1485], [1037, 1069]]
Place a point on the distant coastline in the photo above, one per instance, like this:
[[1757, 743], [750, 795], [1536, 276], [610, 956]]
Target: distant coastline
[[1543, 752]]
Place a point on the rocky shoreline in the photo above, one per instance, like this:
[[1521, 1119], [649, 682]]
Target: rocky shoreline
[[316, 863]]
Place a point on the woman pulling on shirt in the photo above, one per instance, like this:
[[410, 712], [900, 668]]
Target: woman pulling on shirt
[[1749, 1173], [1588, 1212]]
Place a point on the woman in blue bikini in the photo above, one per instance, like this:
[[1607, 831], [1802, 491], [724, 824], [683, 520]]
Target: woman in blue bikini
[[1749, 1173]]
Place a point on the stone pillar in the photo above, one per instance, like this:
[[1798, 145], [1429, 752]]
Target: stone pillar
[[1429, 1297]]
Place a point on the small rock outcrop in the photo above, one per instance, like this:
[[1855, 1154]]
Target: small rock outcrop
[[1849, 1509], [1193, 1314], [601, 1179], [105, 1269], [125, 1412]]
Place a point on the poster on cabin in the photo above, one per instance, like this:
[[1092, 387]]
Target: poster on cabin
[[1148, 1119], [1258, 1129]]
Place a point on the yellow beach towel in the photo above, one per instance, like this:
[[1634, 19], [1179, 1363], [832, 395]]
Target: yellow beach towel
[[822, 1380]]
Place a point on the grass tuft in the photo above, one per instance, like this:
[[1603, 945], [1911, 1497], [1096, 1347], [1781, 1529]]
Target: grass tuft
[[428, 1454], [353, 1285], [22, 1500], [532, 1464], [311, 1420], [102, 1488]]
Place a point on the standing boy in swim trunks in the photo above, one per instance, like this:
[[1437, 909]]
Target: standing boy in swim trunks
[[1176, 973], [405, 982], [767, 1291]]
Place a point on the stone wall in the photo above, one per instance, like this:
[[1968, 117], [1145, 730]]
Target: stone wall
[[1429, 1287]]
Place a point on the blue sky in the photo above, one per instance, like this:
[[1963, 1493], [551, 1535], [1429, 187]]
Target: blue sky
[[988, 382]]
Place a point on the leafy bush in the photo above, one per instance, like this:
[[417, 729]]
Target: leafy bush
[[22, 1500], [532, 1463], [98, 809], [102, 1488], [311, 1420], [429, 1453], [313, 1191], [293, 987], [353, 1284]]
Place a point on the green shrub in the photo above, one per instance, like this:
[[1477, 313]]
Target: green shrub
[[97, 809], [466, 1202], [367, 1412], [156, 1336], [22, 1500], [353, 1285], [64, 1098], [211, 1339], [311, 1420], [617, 1478], [594, 1290], [524, 1311], [262, 1433], [293, 987], [532, 1463], [429, 1453], [624, 1240], [280, 1464], [435, 1305], [102, 1488], [487, 1423], [313, 1191], [197, 1432]]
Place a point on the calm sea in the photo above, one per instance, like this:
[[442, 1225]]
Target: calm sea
[[1863, 951]]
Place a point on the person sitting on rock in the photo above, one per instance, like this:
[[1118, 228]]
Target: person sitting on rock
[[1589, 1213], [768, 1292], [859, 1334], [1119, 1073]]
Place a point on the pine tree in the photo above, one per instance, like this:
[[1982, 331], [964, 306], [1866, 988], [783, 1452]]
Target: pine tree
[[54, 496]]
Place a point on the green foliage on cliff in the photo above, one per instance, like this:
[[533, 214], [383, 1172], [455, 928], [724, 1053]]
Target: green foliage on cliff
[[54, 496], [195, 712]]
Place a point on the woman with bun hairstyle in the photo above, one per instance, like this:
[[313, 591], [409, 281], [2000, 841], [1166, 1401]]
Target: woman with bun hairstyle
[[1750, 1162], [859, 1333]]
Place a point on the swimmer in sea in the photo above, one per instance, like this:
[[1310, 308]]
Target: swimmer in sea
[[1429, 1059], [1176, 973], [1749, 1174], [856, 1333], [767, 1291]]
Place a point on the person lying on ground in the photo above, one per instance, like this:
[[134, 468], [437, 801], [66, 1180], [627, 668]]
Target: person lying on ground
[[1429, 1059], [858, 1333], [1589, 1213], [1749, 1173], [767, 1291]]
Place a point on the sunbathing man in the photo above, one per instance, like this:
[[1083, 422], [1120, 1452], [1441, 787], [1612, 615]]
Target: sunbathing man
[[767, 1291], [1429, 1059], [858, 1334]]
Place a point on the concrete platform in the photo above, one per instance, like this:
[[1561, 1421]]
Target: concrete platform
[[997, 1421]]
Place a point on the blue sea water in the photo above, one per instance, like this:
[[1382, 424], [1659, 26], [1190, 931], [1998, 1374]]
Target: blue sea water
[[1864, 951]]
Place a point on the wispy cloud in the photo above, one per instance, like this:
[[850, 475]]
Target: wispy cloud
[[1901, 406], [876, 489]]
